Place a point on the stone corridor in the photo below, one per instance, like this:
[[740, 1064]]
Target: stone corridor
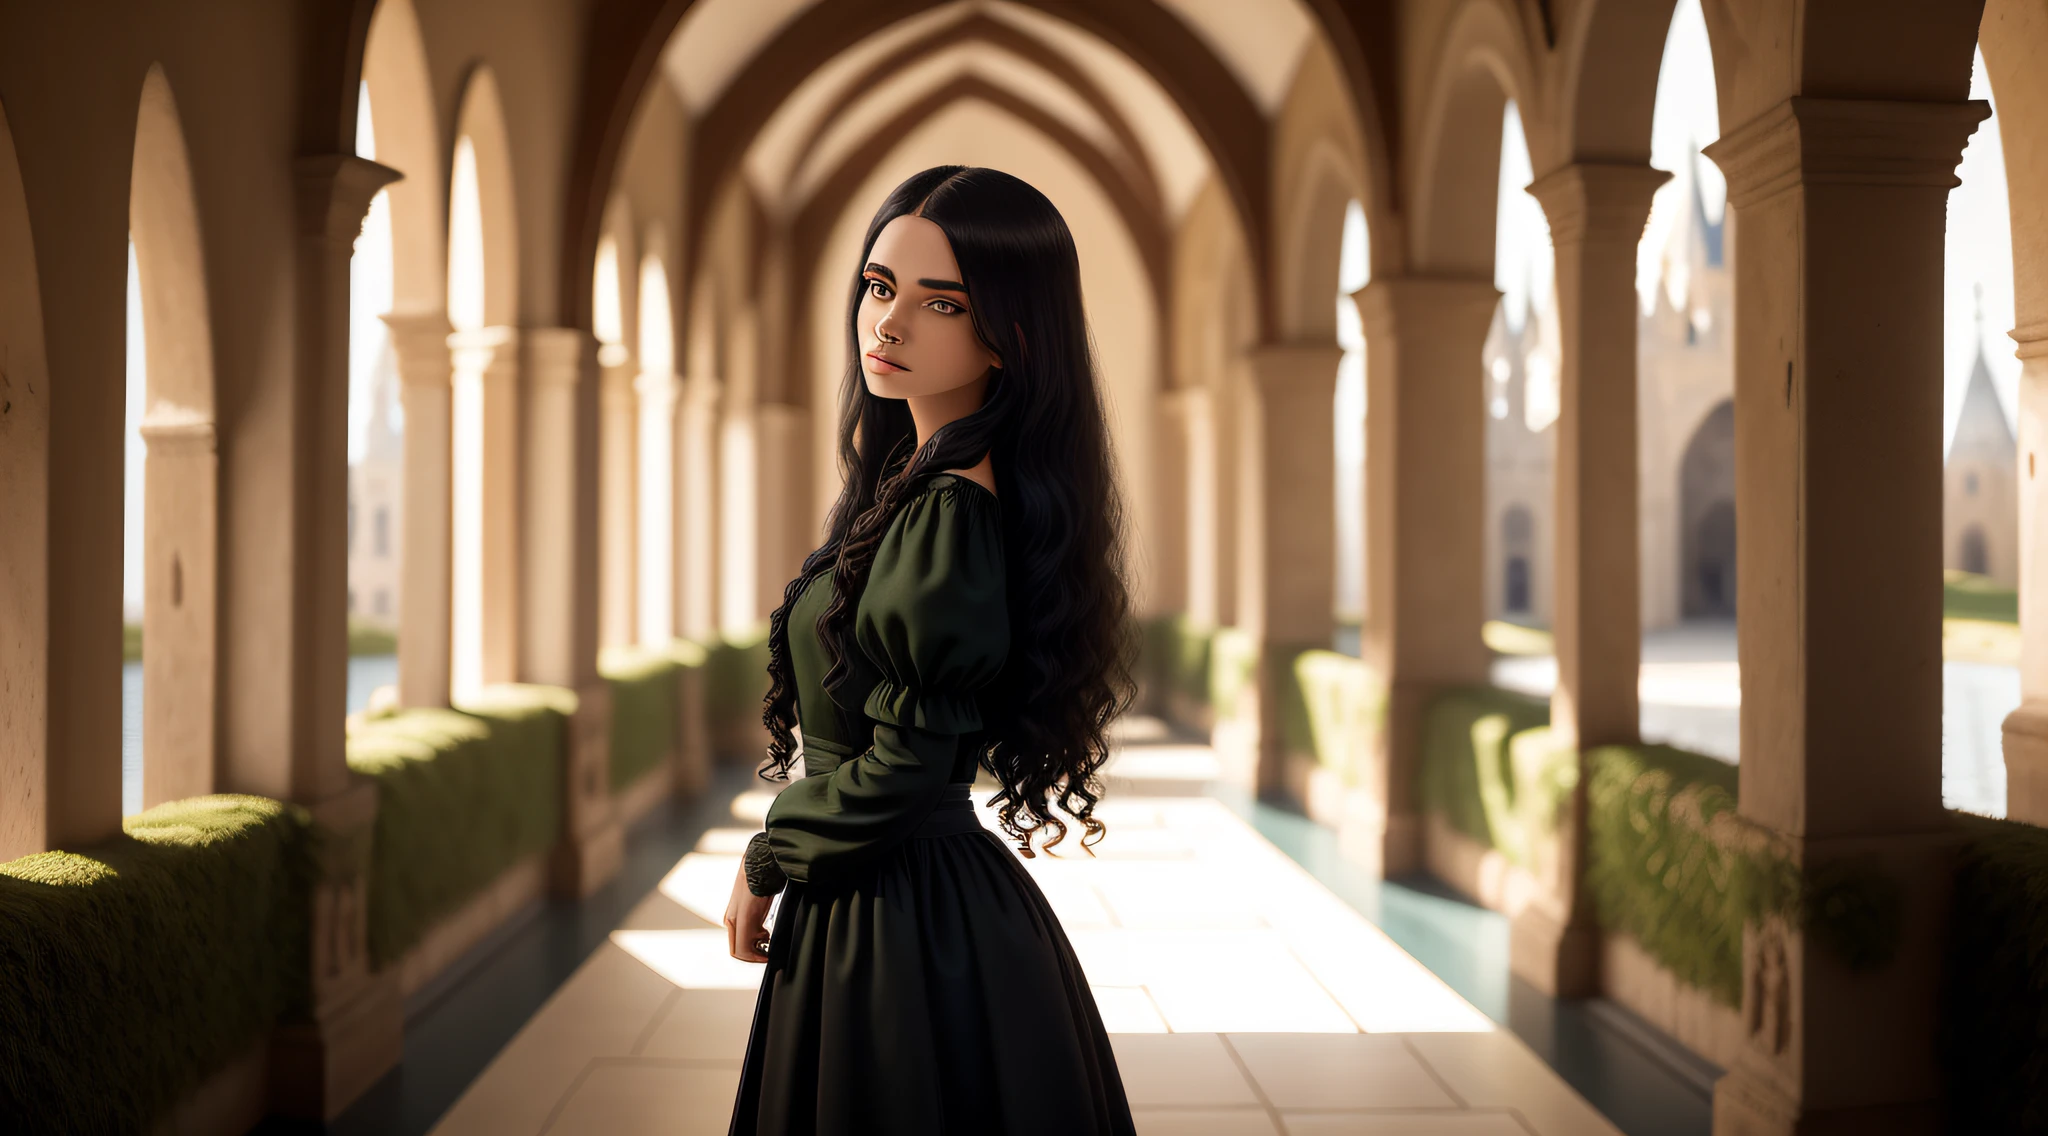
[[1243, 997]]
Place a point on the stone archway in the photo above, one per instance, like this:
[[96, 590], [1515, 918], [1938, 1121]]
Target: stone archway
[[181, 496], [1706, 509], [27, 802]]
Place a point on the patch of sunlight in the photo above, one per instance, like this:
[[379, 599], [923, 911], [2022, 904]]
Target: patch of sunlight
[[752, 806], [1165, 763], [1127, 1009], [725, 841], [1514, 639], [1215, 981], [1137, 728], [702, 884], [1714, 685], [1980, 641], [692, 960]]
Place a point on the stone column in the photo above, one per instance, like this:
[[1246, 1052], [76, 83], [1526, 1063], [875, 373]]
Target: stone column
[[1288, 585], [181, 659], [618, 498], [1596, 213], [1841, 210], [486, 469], [697, 509], [354, 1028], [426, 374], [655, 516], [782, 501], [1425, 454], [1195, 407], [560, 588], [1172, 476], [2026, 729]]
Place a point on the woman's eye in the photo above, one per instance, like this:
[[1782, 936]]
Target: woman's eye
[[946, 307], [878, 289]]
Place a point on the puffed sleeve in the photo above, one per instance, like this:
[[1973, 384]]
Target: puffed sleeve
[[932, 629]]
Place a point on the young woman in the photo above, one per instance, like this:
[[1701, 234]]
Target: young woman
[[967, 610]]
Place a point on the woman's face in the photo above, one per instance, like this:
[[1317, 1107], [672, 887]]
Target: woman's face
[[916, 335]]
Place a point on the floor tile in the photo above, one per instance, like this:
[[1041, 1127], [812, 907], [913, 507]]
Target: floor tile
[[703, 1025], [702, 884], [700, 960], [1309, 1071], [1404, 1124], [642, 1099], [1127, 1009], [1204, 1122], [1495, 1070], [1179, 1069]]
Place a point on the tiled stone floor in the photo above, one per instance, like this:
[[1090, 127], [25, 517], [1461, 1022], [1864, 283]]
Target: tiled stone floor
[[1243, 997]]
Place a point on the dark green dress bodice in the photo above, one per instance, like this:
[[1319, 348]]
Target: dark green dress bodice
[[932, 630]]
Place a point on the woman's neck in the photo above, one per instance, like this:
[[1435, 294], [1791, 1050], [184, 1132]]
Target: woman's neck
[[930, 412]]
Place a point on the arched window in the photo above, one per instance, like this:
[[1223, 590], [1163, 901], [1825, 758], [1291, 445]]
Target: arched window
[[1974, 555]]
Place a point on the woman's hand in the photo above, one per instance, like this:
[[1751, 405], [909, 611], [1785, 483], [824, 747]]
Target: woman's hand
[[746, 921]]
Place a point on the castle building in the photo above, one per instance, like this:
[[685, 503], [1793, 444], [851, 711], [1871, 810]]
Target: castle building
[[1979, 506], [376, 504]]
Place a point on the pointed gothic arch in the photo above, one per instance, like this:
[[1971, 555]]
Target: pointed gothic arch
[[181, 495]]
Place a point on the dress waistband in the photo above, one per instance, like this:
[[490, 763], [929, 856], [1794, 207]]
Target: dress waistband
[[953, 815]]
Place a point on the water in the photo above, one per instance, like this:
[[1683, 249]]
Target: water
[[365, 674]]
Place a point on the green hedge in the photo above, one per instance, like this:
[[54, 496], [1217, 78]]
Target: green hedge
[[1654, 867], [129, 973], [644, 709], [736, 677], [1343, 705], [1233, 667], [1994, 1029], [1964, 596], [1472, 774], [462, 795]]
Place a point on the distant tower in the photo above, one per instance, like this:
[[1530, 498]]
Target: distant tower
[[1980, 486], [376, 503]]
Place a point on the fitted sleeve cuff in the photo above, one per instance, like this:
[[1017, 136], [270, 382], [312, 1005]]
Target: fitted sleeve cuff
[[934, 711], [764, 875]]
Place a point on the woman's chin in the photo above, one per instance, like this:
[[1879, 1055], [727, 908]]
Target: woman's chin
[[886, 386]]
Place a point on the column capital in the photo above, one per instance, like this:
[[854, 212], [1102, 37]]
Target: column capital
[[1460, 304], [2031, 341], [1187, 400], [178, 429], [482, 348], [420, 340], [658, 384], [334, 193], [1808, 141], [1598, 201], [1278, 365], [560, 356]]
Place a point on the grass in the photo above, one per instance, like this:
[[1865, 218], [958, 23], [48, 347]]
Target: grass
[[131, 971], [363, 639]]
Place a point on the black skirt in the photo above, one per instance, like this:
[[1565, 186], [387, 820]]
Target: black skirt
[[935, 993]]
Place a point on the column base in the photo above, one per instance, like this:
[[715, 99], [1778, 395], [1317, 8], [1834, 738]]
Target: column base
[[1561, 960], [1389, 847], [2026, 763], [1745, 1105], [318, 1068], [584, 862]]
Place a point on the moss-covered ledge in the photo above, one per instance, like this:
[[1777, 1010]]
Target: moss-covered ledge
[[645, 700], [462, 796], [132, 971]]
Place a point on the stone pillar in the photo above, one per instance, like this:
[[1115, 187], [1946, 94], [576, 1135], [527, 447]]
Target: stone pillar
[[1425, 454], [181, 657], [1172, 478], [697, 497], [655, 519], [353, 1031], [485, 468], [561, 589], [1207, 520], [782, 501], [1288, 584], [1596, 213], [2026, 729], [426, 374], [1841, 210], [618, 498]]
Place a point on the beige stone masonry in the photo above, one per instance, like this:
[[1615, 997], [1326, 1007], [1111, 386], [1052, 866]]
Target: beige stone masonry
[[2026, 729], [1424, 485], [426, 372], [1840, 211]]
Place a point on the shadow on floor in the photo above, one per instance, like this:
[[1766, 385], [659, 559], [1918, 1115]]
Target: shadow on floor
[[458, 1024]]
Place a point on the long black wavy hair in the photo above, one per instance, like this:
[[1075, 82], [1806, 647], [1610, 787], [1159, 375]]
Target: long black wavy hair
[[1046, 719]]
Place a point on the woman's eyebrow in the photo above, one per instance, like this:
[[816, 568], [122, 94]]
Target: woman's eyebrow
[[944, 286], [881, 270]]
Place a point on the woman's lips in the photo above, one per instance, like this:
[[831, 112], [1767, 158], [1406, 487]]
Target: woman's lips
[[886, 365]]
